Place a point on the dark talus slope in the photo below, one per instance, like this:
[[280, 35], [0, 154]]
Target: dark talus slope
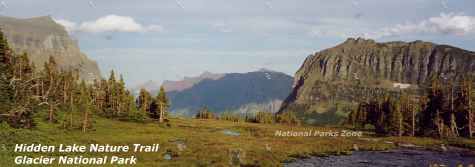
[[331, 80], [260, 90], [42, 37]]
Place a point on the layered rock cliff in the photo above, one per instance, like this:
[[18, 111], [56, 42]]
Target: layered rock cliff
[[332, 79], [42, 37]]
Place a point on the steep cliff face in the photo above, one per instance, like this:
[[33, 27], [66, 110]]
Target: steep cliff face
[[334, 77], [41, 37]]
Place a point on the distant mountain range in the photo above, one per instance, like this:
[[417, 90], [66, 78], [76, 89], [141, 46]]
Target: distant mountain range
[[329, 82], [171, 86], [42, 37], [262, 90]]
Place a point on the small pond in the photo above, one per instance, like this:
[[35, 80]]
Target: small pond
[[393, 158]]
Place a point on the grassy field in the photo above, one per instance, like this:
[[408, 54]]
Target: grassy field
[[206, 142]]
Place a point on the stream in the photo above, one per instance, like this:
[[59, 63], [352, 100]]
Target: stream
[[393, 158]]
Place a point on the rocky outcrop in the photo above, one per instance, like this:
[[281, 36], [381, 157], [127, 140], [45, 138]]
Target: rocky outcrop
[[42, 37], [337, 74]]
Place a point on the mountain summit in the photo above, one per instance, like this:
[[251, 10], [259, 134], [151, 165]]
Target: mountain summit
[[331, 79]]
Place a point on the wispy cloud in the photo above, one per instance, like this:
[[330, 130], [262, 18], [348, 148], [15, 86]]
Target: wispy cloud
[[3, 5], [449, 24], [109, 23]]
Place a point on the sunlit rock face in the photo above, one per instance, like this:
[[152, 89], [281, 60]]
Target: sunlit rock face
[[42, 37]]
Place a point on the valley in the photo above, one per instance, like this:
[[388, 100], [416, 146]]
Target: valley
[[193, 142], [349, 101]]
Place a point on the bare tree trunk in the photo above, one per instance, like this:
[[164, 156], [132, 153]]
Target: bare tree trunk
[[438, 124], [400, 124], [161, 113], [470, 114], [50, 115], [71, 103], [413, 121], [85, 121], [453, 125]]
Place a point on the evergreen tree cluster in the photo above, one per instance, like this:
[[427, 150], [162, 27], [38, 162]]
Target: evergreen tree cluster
[[60, 96], [204, 113], [263, 117], [154, 107], [445, 110]]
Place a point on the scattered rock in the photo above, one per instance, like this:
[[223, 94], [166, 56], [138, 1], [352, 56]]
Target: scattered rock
[[443, 148], [388, 142], [167, 156], [268, 148], [231, 133], [406, 145], [236, 157], [181, 146], [355, 147]]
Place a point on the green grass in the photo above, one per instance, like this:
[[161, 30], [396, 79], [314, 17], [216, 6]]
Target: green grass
[[206, 144]]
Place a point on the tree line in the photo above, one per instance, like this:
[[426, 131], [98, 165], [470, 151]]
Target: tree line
[[59, 95], [264, 117], [443, 109]]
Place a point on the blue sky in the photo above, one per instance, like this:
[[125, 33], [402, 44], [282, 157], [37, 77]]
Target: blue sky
[[169, 39]]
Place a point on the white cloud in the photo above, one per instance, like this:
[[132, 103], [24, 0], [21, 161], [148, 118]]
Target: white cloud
[[109, 23], [451, 24], [318, 32], [68, 25]]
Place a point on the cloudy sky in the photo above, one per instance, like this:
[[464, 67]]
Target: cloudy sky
[[169, 39]]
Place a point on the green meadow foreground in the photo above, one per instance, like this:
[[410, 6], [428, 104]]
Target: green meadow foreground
[[201, 142]]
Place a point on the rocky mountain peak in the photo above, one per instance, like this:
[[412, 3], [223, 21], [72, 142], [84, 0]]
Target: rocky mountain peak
[[41, 37], [338, 73]]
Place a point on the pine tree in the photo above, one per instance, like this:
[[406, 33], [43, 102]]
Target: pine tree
[[393, 123], [134, 114], [204, 113], [163, 104], [111, 96], [85, 106], [144, 101], [6, 75], [50, 88], [122, 98]]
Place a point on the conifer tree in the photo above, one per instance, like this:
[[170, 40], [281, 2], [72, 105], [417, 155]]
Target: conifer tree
[[144, 101], [85, 106], [6, 75], [163, 104], [50, 88]]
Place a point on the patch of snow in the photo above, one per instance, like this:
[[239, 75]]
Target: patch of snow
[[401, 85]]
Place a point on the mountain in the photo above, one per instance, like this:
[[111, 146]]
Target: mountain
[[189, 82], [329, 82], [262, 90], [171, 86], [42, 37]]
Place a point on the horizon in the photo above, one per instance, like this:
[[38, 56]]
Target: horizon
[[173, 39]]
